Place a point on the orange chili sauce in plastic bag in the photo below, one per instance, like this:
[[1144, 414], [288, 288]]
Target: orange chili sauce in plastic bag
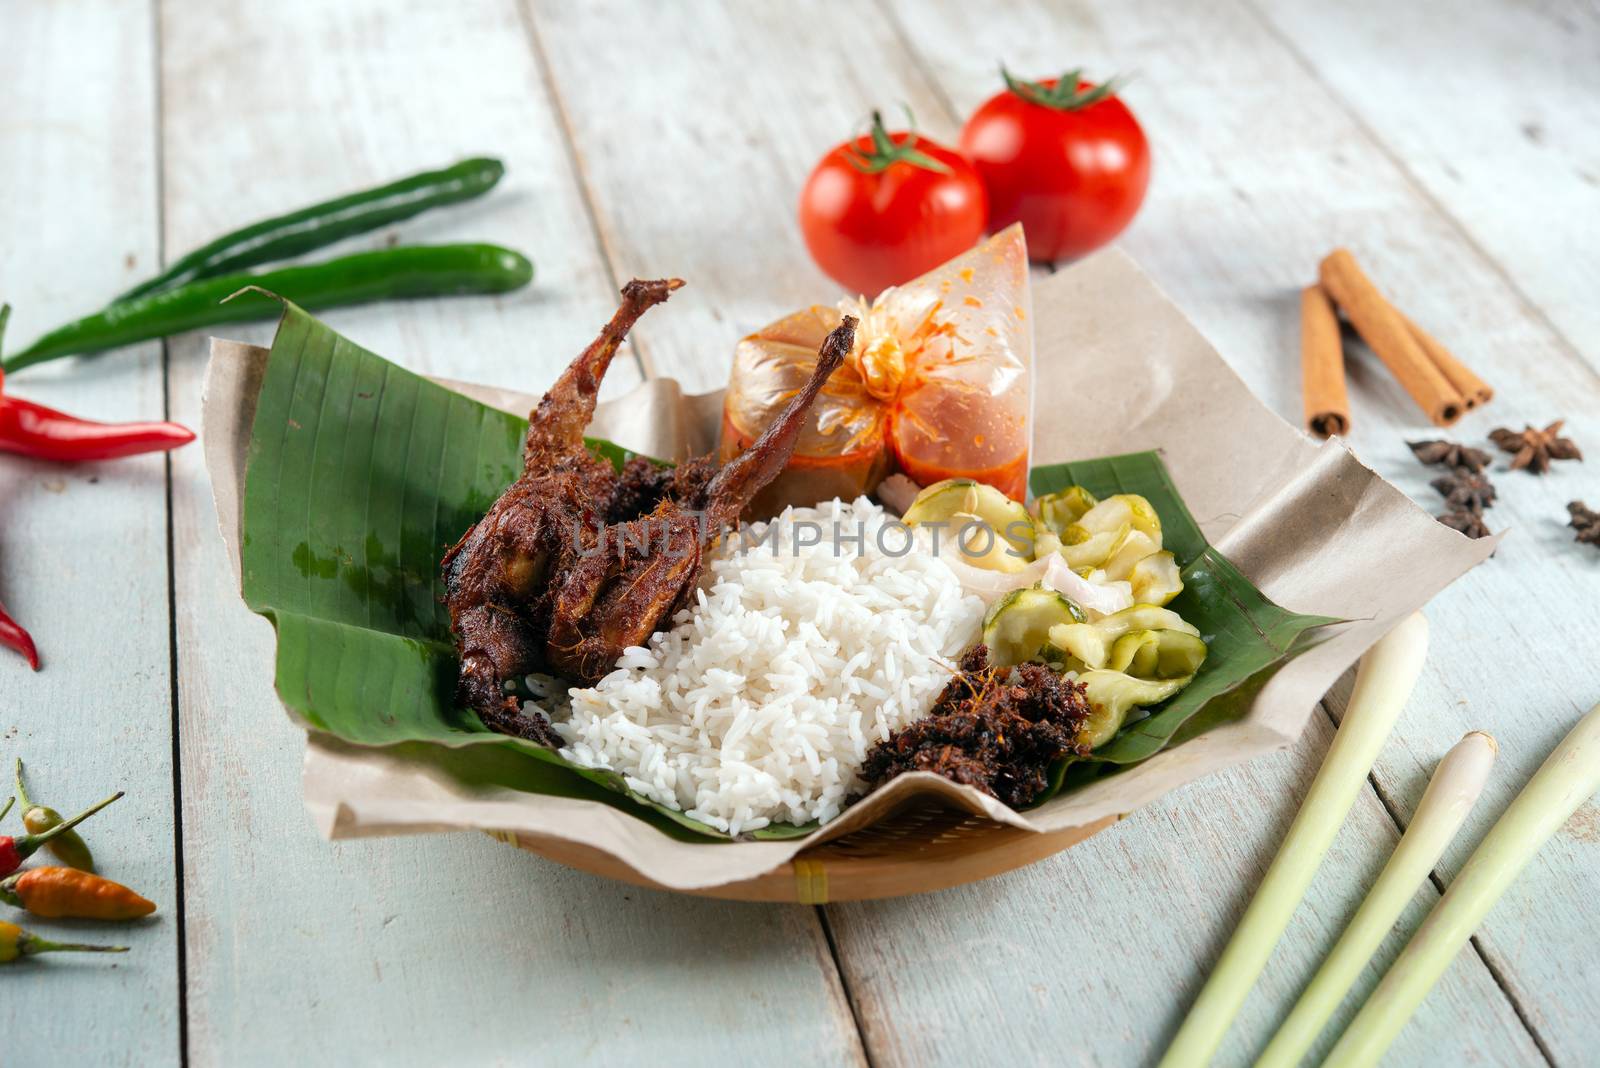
[[939, 384]]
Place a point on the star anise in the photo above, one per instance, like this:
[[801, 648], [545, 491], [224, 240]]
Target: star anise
[[1534, 448], [1586, 521], [1449, 454], [1465, 490], [1469, 523]]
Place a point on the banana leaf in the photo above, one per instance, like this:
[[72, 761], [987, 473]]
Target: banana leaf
[[359, 476]]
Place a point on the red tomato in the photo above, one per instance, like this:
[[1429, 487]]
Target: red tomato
[[884, 208], [1072, 167]]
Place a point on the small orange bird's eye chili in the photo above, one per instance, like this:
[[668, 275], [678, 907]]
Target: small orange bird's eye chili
[[63, 893], [16, 943], [13, 851]]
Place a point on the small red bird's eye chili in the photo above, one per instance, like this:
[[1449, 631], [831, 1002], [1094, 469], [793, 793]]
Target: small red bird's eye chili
[[13, 851], [12, 636], [30, 429], [66, 893], [16, 943]]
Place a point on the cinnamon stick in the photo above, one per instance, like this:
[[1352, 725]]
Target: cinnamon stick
[[1474, 389], [1327, 402], [1386, 333]]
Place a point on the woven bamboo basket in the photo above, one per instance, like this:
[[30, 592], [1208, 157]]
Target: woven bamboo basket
[[914, 852]]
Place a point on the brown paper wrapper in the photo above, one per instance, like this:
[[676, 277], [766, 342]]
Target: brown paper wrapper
[[1119, 369]]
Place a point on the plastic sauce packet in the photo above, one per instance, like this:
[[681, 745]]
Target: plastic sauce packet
[[938, 385]]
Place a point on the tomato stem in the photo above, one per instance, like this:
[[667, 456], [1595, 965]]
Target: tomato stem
[[885, 153], [1065, 94]]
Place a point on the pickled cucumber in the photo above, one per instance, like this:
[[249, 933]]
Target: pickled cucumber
[[1090, 644], [1058, 511], [1157, 654], [1134, 548], [1112, 695], [961, 502], [1017, 627], [1156, 579], [1120, 509], [1084, 549]]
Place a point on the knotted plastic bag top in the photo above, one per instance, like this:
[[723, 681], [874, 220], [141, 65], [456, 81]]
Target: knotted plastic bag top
[[937, 386]]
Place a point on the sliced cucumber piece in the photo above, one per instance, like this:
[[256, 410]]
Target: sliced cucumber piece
[[1112, 695], [981, 547], [1091, 642], [962, 501], [1157, 654], [1135, 546], [1061, 509], [1156, 579], [1017, 627], [1045, 542], [1085, 548], [1120, 509], [940, 501]]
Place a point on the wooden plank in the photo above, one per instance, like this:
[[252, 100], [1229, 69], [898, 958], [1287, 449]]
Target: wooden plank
[[1231, 231], [83, 548], [439, 948], [1518, 168], [697, 167]]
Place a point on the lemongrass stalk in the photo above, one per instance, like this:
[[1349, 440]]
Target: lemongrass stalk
[[1450, 795], [1386, 677], [1569, 776]]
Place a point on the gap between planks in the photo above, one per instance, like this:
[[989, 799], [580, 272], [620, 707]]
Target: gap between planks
[[179, 909]]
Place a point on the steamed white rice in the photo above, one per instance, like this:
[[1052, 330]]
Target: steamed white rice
[[761, 702]]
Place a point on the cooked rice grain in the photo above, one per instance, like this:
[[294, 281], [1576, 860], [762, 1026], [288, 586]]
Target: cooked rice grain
[[761, 702]]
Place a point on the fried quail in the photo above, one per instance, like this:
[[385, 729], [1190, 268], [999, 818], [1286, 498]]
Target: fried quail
[[575, 563]]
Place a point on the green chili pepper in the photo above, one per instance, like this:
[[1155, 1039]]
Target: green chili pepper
[[298, 232], [68, 846], [388, 274]]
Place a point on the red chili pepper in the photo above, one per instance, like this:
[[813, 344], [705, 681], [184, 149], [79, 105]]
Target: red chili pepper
[[13, 851], [12, 636], [33, 430]]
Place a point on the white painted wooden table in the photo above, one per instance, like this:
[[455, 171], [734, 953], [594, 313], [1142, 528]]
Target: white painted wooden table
[[1451, 145]]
